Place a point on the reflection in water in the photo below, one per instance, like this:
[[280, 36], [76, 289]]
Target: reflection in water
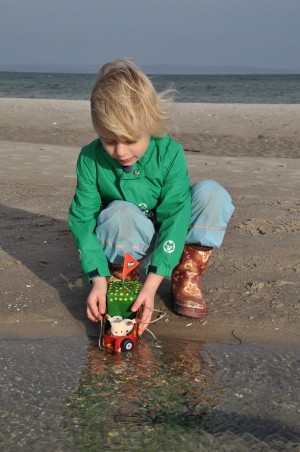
[[147, 398], [178, 395], [167, 396]]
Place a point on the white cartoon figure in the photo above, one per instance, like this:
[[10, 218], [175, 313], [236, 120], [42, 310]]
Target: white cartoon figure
[[120, 326]]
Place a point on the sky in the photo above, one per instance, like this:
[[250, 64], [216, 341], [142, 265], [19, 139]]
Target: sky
[[87, 33]]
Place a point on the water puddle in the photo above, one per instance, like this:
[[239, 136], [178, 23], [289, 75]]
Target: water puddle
[[66, 394]]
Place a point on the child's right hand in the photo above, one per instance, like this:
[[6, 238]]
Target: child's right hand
[[96, 302]]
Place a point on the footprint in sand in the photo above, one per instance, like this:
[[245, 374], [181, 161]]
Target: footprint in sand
[[257, 226]]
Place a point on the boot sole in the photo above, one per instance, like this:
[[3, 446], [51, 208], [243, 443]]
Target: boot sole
[[187, 311]]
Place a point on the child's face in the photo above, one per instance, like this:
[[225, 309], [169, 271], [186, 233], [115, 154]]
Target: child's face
[[126, 152]]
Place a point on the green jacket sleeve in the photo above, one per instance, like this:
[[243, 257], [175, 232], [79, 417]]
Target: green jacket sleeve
[[173, 212], [83, 213]]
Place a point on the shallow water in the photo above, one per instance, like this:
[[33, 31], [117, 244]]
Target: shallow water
[[66, 394]]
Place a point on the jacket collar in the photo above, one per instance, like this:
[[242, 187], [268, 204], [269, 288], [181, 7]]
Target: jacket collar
[[140, 163]]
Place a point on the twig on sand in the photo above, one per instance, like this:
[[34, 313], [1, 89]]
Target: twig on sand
[[236, 337]]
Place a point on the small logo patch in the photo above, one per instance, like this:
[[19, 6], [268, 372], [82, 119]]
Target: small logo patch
[[169, 246]]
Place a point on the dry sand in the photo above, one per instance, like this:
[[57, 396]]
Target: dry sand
[[252, 282], [214, 129]]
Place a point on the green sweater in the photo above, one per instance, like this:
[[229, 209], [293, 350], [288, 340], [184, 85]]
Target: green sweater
[[158, 184]]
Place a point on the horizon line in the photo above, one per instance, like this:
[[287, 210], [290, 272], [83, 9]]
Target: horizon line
[[151, 69]]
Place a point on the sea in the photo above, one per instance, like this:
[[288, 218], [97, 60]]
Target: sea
[[252, 89]]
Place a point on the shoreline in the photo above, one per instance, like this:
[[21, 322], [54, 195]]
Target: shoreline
[[187, 329]]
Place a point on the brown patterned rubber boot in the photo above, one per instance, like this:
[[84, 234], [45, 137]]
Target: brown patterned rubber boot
[[116, 273], [186, 281]]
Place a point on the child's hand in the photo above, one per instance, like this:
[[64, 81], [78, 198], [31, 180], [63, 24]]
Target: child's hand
[[96, 302], [146, 299]]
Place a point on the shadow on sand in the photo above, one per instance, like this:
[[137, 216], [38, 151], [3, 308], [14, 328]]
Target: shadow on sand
[[45, 246]]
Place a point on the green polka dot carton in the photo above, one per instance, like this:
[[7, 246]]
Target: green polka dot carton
[[120, 297]]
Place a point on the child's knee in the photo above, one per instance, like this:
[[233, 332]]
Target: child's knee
[[125, 207], [209, 192], [120, 211]]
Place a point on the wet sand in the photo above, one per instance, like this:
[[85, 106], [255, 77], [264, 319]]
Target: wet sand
[[252, 282]]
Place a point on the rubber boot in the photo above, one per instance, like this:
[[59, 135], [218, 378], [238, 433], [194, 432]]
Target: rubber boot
[[186, 281]]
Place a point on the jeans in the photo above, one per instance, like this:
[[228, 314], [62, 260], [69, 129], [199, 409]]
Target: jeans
[[122, 227]]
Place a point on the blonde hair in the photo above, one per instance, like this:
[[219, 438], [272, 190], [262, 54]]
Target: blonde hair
[[125, 102]]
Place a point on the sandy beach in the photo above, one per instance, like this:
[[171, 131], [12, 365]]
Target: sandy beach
[[213, 129], [252, 282]]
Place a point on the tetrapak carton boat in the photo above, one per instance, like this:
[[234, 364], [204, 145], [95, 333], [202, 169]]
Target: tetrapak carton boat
[[120, 325]]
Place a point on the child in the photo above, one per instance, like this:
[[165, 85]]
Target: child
[[133, 195]]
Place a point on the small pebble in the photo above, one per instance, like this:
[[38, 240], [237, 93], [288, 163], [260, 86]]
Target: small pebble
[[239, 396]]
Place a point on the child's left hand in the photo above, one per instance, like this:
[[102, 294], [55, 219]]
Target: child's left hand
[[146, 299]]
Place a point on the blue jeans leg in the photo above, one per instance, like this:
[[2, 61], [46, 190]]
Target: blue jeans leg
[[122, 227], [211, 210]]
